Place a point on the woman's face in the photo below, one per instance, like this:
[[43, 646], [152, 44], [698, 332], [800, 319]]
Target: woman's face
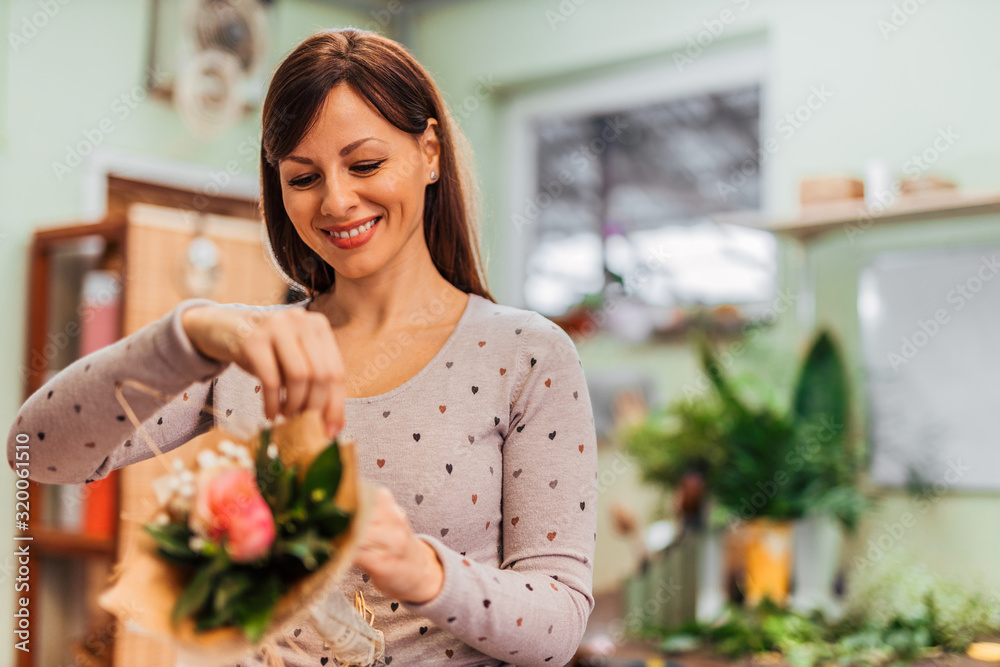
[[354, 186]]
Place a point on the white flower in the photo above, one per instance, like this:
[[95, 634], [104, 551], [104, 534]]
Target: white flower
[[196, 543], [207, 459], [243, 458], [162, 489], [272, 451]]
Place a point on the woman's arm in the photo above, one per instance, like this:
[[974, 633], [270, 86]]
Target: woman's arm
[[533, 611], [76, 427]]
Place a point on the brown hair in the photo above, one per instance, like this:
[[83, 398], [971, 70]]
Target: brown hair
[[389, 78]]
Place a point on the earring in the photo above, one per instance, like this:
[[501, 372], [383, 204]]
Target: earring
[[434, 176]]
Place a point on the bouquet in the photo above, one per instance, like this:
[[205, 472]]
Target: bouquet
[[247, 537]]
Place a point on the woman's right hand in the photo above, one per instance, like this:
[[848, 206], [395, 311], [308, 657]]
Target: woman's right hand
[[288, 349]]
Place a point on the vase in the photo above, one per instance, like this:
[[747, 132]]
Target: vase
[[711, 582], [768, 561], [817, 546], [662, 594]]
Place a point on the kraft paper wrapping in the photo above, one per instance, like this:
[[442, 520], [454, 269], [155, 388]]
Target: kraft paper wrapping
[[146, 588]]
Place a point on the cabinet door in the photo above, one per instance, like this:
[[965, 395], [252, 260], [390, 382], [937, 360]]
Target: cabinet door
[[158, 243]]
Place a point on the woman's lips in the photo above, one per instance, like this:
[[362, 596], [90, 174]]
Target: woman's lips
[[354, 241]]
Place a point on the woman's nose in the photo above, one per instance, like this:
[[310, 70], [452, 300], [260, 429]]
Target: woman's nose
[[339, 197]]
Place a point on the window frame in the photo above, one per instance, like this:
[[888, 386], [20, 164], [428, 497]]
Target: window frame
[[607, 91]]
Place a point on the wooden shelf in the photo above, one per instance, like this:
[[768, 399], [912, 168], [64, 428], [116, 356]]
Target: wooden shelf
[[52, 541], [843, 217]]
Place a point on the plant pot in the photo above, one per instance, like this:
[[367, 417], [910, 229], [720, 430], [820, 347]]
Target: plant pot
[[711, 582], [662, 593], [768, 561], [817, 547]]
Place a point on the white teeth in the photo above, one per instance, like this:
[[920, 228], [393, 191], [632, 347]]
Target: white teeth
[[357, 230]]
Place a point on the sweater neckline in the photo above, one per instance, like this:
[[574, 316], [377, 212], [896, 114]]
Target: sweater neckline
[[448, 344]]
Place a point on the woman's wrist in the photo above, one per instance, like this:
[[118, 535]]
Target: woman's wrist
[[203, 331], [431, 575]]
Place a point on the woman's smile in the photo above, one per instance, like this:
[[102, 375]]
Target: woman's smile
[[353, 235]]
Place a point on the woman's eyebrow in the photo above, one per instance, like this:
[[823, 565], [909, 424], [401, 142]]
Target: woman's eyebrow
[[346, 150], [349, 148]]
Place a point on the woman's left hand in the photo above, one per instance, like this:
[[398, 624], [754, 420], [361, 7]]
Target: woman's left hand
[[400, 564]]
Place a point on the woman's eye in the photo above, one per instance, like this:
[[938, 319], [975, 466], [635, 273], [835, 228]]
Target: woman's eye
[[302, 180], [367, 167]]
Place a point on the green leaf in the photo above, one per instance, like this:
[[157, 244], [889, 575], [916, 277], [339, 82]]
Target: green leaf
[[212, 618], [329, 519], [198, 591], [230, 585], [713, 369], [269, 470], [323, 476], [309, 547], [284, 493], [253, 609], [821, 390], [173, 541]]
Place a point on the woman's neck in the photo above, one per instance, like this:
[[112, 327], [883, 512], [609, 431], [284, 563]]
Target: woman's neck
[[392, 298]]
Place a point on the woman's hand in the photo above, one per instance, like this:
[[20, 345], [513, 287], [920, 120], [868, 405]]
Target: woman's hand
[[400, 564], [291, 349]]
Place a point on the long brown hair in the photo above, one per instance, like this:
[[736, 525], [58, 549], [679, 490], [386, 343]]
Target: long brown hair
[[386, 75]]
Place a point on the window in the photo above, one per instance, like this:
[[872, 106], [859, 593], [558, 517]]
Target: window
[[627, 196]]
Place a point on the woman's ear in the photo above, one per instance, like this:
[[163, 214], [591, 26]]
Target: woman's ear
[[430, 148]]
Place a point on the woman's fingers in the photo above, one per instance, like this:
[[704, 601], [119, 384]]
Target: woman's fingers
[[297, 372], [261, 361], [320, 347], [293, 353], [333, 409]]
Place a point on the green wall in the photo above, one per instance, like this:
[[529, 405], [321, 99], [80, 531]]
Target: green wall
[[894, 78]]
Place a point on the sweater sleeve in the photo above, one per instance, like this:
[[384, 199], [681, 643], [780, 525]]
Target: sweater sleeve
[[74, 425], [534, 610]]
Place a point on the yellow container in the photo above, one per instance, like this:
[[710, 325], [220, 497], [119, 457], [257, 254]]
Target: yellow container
[[768, 560]]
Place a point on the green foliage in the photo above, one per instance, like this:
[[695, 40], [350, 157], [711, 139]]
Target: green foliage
[[173, 542], [822, 385], [759, 442], [687, 435], [323, 475], [897, 594], [222, 593], [896, 612], [822, 414], [791, 462]]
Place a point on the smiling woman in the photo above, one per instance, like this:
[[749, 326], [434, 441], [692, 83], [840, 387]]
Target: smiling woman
[[370, 100], [473, 418]]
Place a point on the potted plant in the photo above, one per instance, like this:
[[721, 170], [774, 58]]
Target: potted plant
[[757, 490], [764, 467]]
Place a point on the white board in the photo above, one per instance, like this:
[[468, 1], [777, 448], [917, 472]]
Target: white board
[[930, 332]]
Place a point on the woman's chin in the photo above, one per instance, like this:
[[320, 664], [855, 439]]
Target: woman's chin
[[356, 268]]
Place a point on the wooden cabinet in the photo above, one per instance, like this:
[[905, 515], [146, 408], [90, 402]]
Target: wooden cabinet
[[162, 254]]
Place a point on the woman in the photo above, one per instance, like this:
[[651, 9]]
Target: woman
[[473, 418]]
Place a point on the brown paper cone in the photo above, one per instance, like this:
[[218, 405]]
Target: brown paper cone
[[147, 587]]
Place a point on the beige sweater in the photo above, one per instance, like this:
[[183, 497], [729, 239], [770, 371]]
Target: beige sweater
[[490, 450]]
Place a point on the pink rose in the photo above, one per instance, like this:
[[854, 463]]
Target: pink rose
[[228, 506]]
